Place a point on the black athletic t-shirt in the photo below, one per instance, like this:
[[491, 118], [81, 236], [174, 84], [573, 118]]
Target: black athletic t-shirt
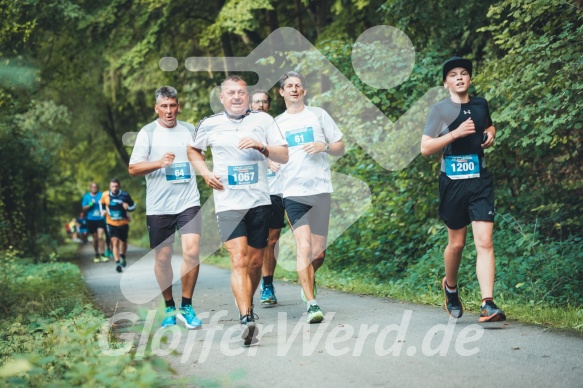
[[445, 116]]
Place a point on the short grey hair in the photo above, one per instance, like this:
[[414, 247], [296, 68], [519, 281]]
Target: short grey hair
[[233, 78], [166, 91], [290, 74]]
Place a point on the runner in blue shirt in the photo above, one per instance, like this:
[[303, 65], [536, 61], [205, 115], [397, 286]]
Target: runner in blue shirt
[[95, 221], [82, 227]]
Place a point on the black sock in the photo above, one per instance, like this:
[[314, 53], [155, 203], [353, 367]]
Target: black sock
[[123, 256], [267, 280], [488, 301], [170, 303], [186, 301]]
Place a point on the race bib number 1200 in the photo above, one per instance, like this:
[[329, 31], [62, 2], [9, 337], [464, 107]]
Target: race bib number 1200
[[462, 166]]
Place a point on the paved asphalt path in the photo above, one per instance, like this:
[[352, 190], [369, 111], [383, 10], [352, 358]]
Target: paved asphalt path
[[363, 342]]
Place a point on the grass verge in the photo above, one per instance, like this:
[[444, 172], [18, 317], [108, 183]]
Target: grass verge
[[50, 334], [567, 318]]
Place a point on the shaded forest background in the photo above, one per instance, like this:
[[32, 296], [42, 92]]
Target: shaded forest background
[[76, 75]]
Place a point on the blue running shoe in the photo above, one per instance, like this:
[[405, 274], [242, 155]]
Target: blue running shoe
[[268, 295], [187, 315], [170, 319]]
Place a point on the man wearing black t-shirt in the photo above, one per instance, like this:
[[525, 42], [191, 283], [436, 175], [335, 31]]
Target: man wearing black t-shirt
[[461, 128]]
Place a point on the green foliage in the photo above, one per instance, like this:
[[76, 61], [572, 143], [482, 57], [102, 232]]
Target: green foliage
[[75, 76], [49, 335], [235, 17], [531, 268], [536, 269], [535, 85]]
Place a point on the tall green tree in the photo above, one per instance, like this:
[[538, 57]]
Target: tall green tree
[[534, 77]]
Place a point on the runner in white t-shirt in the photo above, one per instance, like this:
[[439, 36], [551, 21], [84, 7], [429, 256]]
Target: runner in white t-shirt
[[261, 101], [172, 201], [311, 135], [240, 141]]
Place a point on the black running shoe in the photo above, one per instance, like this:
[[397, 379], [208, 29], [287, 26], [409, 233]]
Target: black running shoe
[[491, 313], [249, 329], [453, 304]]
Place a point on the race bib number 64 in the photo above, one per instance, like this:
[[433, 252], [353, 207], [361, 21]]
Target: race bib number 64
[[178, 173]]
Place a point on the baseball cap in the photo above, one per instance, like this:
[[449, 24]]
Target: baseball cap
[[454, 62]]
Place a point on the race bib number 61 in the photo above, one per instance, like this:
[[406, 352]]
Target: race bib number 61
[[298, 137]]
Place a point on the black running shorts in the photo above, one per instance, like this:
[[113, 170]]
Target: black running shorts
[[465, 200], [161, 228], [120, 232], [277, 218], [252, 223], [93, 225]]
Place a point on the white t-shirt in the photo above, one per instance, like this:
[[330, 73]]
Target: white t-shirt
[[306, 174], [243, 173], [173, 189], [275, 181]]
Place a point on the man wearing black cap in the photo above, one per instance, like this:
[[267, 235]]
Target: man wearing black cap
[[461, 128]]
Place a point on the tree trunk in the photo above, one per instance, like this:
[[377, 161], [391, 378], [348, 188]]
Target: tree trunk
[[109, 128]]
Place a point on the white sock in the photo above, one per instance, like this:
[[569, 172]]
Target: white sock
[[311, 303]]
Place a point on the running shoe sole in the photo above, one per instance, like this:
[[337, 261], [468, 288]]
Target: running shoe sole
[[496, 317], [316, 318], [249, 333], [188, 325]]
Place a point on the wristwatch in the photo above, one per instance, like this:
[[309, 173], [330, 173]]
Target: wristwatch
[[327, 148], [264, 148]]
